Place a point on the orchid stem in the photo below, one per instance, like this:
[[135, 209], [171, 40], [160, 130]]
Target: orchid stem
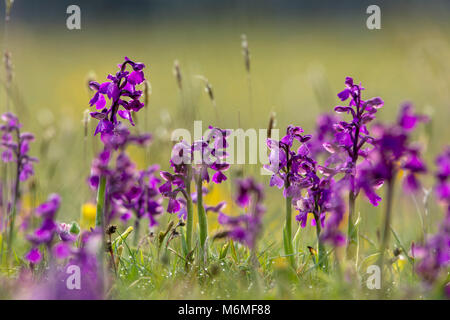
[[202, 220], [189, 224], [190, 214], [288, 232], [100, 223], [101, 193], [352, 231], [387, 225], [322, 257]]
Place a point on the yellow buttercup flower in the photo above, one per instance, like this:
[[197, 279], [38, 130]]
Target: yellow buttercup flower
[[88, 213]]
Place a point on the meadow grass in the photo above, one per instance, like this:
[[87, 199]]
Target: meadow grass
[[295, 74]]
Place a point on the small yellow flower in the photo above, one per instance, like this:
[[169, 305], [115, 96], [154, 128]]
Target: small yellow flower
[[26, 202], [88, 213], [217, 194], [400, 174], [400, 263]]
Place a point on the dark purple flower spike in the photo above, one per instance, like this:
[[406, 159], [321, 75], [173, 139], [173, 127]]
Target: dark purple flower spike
[[49, 228], [194, 163], [393, 152], [16, 145], [350, 139], [290, 168], [434, 256], [124, 98], [246, 227]]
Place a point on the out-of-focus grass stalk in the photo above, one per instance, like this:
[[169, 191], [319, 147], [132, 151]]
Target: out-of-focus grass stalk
[[137, 226], [86, 119], [9, 74], [386, 229], [7, 54], [246, 54], [210, 92], [4, 210]]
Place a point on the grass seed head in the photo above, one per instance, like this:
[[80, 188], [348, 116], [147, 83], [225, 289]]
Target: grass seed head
[[7, 60], [245, 52], [177, 73], [272, 123]]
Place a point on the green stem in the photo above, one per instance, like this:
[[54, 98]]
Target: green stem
[[100, 223], [11, 230], [387, 225], [322, 258], [189, 224], [101, 193], [288, 247], [351, 232], [189, 209], [202, 221]]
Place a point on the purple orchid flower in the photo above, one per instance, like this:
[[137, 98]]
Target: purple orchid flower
[[124, 99], [434, 255], [53, 284], [194, 162], [393, 152], [290, 170], [349, 145], [15, 146], [144, 199], [247, 227], [49, 228]]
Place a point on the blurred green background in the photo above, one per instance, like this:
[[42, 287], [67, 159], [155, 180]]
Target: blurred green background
[[300, 55]]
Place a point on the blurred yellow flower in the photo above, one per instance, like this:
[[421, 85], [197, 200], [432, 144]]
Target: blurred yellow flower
[[217, 194], [399, 264], [280, 263], [88, 212], [26, 202]]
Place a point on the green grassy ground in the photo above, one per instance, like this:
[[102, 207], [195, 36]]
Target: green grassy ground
[[296, 71]]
